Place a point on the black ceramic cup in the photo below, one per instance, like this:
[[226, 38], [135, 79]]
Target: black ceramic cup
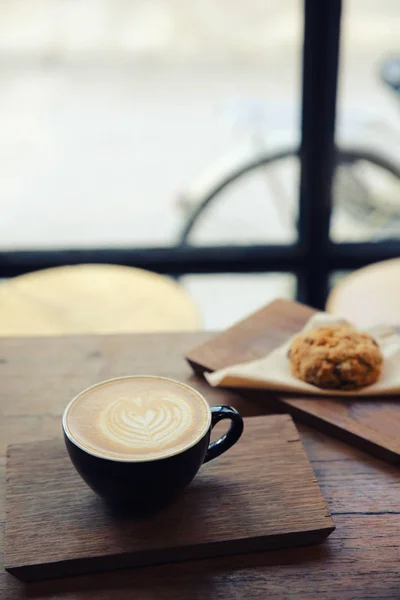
[[143, 486]]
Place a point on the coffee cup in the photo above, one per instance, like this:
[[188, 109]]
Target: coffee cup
[[139, 441]]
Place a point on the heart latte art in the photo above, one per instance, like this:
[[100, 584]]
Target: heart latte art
[[147, 421], [137, 418]]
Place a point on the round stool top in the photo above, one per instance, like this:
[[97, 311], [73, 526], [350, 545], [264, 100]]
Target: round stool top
[[369, 296], [94, 299]]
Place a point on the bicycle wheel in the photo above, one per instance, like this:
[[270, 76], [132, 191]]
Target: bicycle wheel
[[355, 193], [367, 187]]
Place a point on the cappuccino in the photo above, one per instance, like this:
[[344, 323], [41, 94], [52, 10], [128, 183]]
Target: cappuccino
[[137, 418]]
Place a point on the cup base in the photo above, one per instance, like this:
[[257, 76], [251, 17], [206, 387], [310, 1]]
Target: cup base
[[129, 509]]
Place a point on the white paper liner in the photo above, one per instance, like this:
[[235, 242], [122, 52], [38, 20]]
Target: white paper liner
[[272, 372]]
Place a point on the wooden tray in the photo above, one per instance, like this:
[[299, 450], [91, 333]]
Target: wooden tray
[[261, 494], [370, 424]]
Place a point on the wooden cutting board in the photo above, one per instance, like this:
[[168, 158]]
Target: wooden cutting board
[[261, 494], [370, 424]]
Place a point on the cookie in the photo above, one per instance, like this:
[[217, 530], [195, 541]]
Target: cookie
[[336, 357]]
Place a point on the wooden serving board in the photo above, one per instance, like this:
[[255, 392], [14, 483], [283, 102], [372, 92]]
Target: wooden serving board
[[371, 424], [261, 494]]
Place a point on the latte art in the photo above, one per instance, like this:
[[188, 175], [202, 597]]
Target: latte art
[[146, 422], [137, 418]]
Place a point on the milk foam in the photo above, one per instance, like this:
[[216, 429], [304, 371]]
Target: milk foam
[[148, 421], [137, 418]]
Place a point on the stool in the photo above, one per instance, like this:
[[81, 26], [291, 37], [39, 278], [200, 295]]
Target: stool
[[93, 299], [369, 296]]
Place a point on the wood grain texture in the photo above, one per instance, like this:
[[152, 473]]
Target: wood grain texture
[[370, 424], [260, 495], [360, 560]]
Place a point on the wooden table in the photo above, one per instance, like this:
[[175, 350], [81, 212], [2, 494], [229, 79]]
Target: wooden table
[[361, 559]]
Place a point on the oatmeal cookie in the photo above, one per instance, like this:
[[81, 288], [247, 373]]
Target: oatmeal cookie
[[336, 357]]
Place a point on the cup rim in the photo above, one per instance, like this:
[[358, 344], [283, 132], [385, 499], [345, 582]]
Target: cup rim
[[192, 443]]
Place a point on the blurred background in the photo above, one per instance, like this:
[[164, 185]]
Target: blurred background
[[118, 116]]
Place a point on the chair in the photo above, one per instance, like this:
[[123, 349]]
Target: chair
[[94, 299], [369, 296]]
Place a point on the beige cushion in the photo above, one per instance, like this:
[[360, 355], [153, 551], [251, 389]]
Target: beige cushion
[[94, 299], [369, 296]]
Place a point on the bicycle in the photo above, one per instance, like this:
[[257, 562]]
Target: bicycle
[[352, 190]]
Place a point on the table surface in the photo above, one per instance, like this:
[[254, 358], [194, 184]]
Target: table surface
[[361, 559]]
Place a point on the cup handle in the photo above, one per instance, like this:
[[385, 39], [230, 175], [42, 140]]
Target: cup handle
[[218, 413]]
